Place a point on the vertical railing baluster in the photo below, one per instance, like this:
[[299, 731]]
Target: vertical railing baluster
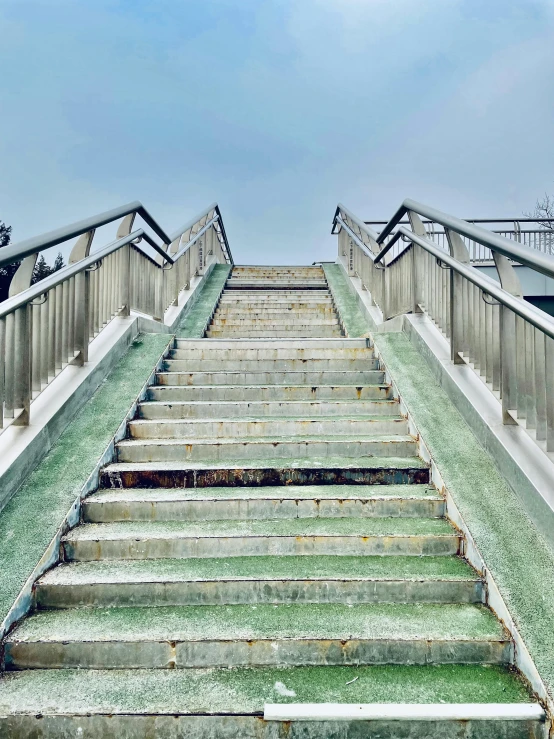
[[540, 385], [2, 367], [549, 375]]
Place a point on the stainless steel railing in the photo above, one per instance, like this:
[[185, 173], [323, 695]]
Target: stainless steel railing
[[488, 325], [539, 237], [47, 326]]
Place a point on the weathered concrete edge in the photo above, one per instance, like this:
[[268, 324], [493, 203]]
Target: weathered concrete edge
[[51, 556], [524, 466], [58, 404]]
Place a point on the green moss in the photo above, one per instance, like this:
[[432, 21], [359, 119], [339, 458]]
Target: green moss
[[265, 567], [245, 690], [339, 526], [394, 621], [346, 302], [194, 323], [32, 517], [514, 552]]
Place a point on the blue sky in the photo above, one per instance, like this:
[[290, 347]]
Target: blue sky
[[277, 109]]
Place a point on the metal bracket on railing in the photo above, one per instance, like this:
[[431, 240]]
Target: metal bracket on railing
[[488, 302], [95, 267], [41, 302], [441, 264]]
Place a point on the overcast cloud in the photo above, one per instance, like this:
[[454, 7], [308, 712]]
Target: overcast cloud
[[277, 109]]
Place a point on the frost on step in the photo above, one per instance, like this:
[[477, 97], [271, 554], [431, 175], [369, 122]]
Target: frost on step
[[282, 689]]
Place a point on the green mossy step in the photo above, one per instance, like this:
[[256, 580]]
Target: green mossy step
[[295, 634], [270, 579]]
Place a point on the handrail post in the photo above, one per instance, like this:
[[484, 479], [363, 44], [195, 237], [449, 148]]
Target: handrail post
[[22, 374], [82, 307], [458, 319], [419, 229], [509, 281], [124, 230]]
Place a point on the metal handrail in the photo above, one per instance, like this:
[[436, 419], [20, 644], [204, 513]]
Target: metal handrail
[[49, 325], [17, 252], [63, 274], [525, 310], [522, 254], [507, 341]]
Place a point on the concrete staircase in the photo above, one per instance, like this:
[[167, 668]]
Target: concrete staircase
[[267, 534], [272, 302]]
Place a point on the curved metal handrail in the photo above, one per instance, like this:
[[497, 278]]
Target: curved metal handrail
[[22, 249], [536, 260]]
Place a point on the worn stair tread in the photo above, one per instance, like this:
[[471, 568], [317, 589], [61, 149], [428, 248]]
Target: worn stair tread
[[346, 438], [270, 492], [267, 568], [391, 621], [245, 690], [284, 463], [275, 419], [253, 404], [297, 527]]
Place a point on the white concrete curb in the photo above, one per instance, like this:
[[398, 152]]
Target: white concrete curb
[[403, 712]]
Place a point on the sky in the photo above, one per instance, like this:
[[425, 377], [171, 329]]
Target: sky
[[276, 109]]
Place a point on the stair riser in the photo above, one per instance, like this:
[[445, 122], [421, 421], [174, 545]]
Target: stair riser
[[254, 727], [186, 654], [306, 345], [297, 295], [284, 333], [234, 429], [244, 320], [239, 302], [272, 365], [252, 477], [275, 284], [212, 352], [216, 510], [199, 451], [83, 550], [268, 393], [265, 312], [309, 378], [226, 592], [237, 410]]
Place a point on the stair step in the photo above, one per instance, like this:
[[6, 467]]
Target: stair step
[[270, 447], [247, 428], [269, 410], [284, 332], [341, 536], [254, 473], [244, 319], [292, 501], [210, 703], [364, 365], [240, 635], [262, 394], [252, 580], [306, 377], [272, 353], [305, 346]]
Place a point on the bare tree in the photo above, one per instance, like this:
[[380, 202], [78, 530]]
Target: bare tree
[[544, 209]]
